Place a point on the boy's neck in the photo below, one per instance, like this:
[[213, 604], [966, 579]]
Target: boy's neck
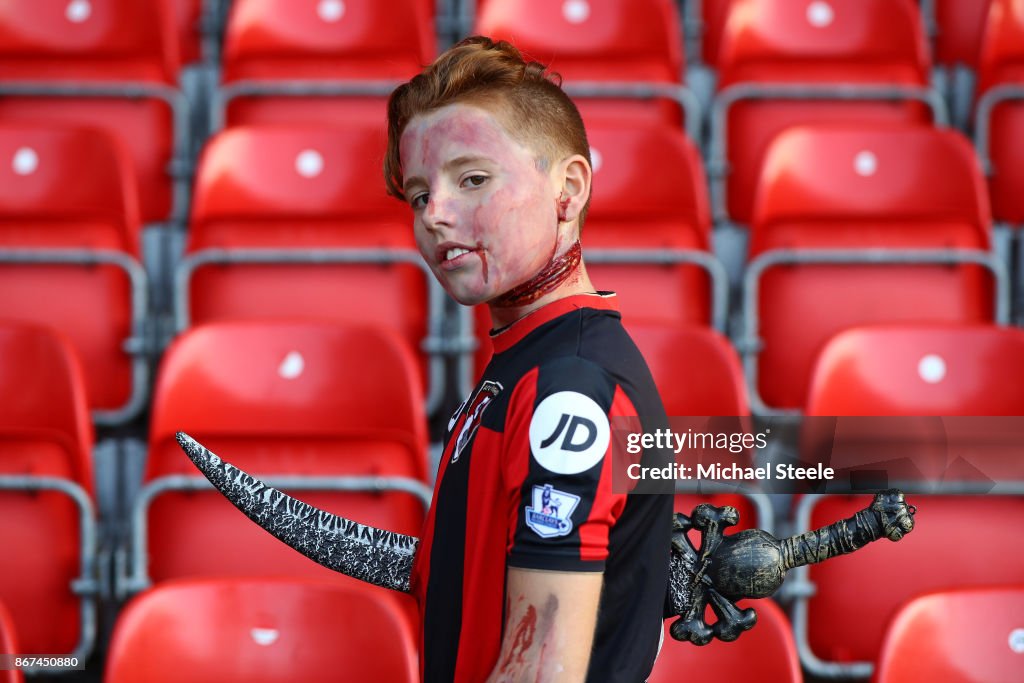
[[505, 310]]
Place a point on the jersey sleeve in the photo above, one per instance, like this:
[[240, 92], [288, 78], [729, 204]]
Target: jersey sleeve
[[557, 465]]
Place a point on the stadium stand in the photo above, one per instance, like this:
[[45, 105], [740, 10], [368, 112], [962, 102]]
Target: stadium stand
[[113, 65], [765, 653], [614, 56], [319, 61], [915, 370], [859, 224], [262, 631], [68, 254], [783, 63], [292, 222], [48, 576], [966, 635], [647, 235], [959, 30], [333, 413]]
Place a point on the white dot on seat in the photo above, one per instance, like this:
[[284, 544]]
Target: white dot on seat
[[1017, 640], [820, 14], [292, 366], [576, 11], [865, 163], [309, 163], [78, 11], [331, 10], [932, 368], [25, 161], [264, 636], [596, 160]]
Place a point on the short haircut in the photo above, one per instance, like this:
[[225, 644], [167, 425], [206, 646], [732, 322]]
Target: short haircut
[[525, 97]]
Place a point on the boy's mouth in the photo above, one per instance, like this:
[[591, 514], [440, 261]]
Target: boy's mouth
[[451, 256]]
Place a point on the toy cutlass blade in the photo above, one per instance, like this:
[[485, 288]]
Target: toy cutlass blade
[[719, 571], [383, 558]]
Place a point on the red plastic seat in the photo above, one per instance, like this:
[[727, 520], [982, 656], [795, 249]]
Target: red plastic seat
[[819, 46], [187, 15], [1000, 114], [714, 15], [304, 189], [967, 635], [764, 653], [44, 432], [262, 631], [650, 193], [960, 27], [122, 44], [852, 188], [957, 541], [698, 374], [302, 399], [48, 203], [334, 43], [597, 41]]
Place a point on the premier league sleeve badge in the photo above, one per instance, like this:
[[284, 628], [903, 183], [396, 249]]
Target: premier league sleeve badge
[[550, 515]]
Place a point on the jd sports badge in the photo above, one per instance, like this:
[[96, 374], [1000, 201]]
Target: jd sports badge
[[551, 512], [474, 410]]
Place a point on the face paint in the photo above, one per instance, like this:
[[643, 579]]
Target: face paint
[[483, 206]]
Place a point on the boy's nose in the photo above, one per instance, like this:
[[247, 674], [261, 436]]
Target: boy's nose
[[439, 212]]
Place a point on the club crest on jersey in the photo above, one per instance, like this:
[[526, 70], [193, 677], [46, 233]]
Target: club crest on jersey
[[550, 515], [474, 409]]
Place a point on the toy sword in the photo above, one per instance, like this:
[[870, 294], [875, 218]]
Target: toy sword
[[720, 571]]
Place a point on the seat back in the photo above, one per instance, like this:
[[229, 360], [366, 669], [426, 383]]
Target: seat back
[[959, 635], [851, 188], [275, 42], [262, 630], [120, 45], [597, 41], [812, 47], [47, 202], [1002, 66], [277, 399], [304, 189], [44, 432], [960, 27], [920, 370], [767, 652]]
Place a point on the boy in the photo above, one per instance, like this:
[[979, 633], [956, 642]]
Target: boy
[[530, 568]]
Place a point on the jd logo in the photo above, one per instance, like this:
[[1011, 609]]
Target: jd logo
[[569, 443], [569, 433]]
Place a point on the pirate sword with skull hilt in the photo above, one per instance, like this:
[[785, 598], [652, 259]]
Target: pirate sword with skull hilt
[[720, 571]]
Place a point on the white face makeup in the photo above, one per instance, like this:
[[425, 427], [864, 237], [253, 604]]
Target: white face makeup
[[485, 206]]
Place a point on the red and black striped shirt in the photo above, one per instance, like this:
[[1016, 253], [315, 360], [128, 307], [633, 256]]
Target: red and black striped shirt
[[525, 480]]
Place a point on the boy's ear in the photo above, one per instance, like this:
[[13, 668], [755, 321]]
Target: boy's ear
[[575, 185]]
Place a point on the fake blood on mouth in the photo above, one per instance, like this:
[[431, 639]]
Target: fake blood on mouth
[[483, 260]]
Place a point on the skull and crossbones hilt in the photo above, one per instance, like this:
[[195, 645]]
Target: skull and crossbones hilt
[[752, 564]]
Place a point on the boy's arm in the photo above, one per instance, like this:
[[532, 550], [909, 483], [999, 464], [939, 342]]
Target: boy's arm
[[549, 626]]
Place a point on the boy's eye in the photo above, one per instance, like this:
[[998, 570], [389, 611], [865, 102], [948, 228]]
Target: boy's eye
[[474, 181], [420, 200]]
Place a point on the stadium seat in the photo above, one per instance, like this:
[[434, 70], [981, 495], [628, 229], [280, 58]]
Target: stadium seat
[[110, 64], [595, 44], [785, 63], [959, 30], [967, 635], [262, 631], [68, 253], [957, 541], [714, 14], [337, 410], [187, 15], [320, 61], [764, 653], [47, 524], [999, 122], [858, 205], [920, 370], [649, 207], [294, 222]]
